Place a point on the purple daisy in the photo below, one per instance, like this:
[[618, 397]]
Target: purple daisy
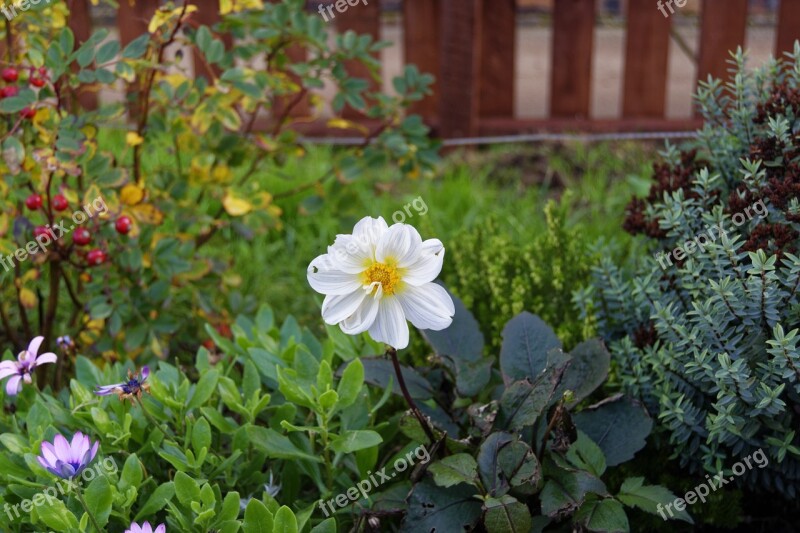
[[127, 389], [145, 528], [67, 460], [21, 369]]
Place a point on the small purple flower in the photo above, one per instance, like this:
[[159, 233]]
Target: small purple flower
[[67, 460], [127, 389], [21, 369], [145, 528]]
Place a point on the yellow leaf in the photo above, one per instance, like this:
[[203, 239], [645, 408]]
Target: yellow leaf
[[147, 214], [27, 298], [222, 173], [133, 139], [131, 194], [236, 207], [344, 124]]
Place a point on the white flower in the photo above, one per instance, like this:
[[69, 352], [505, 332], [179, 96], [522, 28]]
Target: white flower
[[376, 278]]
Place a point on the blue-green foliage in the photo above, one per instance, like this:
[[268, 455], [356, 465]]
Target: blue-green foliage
[[710, 342]]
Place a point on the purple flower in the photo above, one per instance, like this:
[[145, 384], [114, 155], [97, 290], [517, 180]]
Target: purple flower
[[145, 528], [67, 460], [21, 369], [127, 389]]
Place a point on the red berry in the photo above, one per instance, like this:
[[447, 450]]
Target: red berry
[[59, 203], [43, 72], [81, 237], [27, 112], [37, 82], [10, 74], [123, 225], [96, 257], [33, 202], [38, 231], [8, 91]]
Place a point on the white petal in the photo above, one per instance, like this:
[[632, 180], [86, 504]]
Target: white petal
[[325, 278], [336, 308], [427, 307], [401, 243], [370, 230], [352, 255], [45, 358], [8, 368], [364, 317], [428, 265], [13, 385], [390, 325]]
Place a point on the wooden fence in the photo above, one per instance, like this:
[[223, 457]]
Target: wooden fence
[[470, 46]]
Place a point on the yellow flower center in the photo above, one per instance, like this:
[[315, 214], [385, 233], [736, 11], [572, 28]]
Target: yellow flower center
[[384, 274]]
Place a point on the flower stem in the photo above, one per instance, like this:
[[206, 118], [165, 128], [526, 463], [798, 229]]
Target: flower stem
[[150, 418], [86, 508], [410, 401]]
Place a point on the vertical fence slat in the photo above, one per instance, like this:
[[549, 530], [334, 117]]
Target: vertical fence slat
[[80, 22], [646, 56], [207, 14], [461, 62], [132, 20], [364, 20], [573, 42], [421, 26], [788, 26], [498, 59], [722, 30]]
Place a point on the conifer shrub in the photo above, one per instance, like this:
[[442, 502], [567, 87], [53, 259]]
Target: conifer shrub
[[704, 328]]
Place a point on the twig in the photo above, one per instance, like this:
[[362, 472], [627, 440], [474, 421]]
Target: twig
[[410, 401]]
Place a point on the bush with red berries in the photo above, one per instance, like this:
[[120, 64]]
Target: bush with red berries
[[128, 279]]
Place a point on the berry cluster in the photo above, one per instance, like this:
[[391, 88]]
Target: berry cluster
[[37, 77]]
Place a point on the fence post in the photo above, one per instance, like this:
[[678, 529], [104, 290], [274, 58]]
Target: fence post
[[498, 58], [364, 20], [722, 29], [788, 26], [80, 22], [573, 40], [422, 43], [646, 61], [461, 67], [132, 21]]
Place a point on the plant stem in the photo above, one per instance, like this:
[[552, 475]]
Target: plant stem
[[410, 401], [150, 418], [86, 508]]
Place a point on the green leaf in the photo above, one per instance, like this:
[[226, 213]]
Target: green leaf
[[201, 435], [587, 455], [98, 497], [186, 489], [204, 389], [276, 445], [565, 491], [505, 462], [378, 371], [351, 383], [230, 507], [526, 342], [56, 516], [619, 426], [137, 47], [326, 526], [257, 518], [107, 52], [506, 514], [157, 500], [634, 493], [352, 441], [285, 521], [587, 371], [432, 508], [455, 469], [462, 340], [132, 473], [604, 516]]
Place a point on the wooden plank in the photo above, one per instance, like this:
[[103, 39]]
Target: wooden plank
[[498, 58], [723, 27], [461, 63], [646, 57], [422, 44], [364, 19], [573, 41], [788, 26], [80, 22], [132, 21], [499, 126]]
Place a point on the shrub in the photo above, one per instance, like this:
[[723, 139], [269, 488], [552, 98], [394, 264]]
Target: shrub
[[708, 337], [498, 277], [128, 280]]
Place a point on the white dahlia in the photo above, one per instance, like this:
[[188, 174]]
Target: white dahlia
[[379, 277]]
